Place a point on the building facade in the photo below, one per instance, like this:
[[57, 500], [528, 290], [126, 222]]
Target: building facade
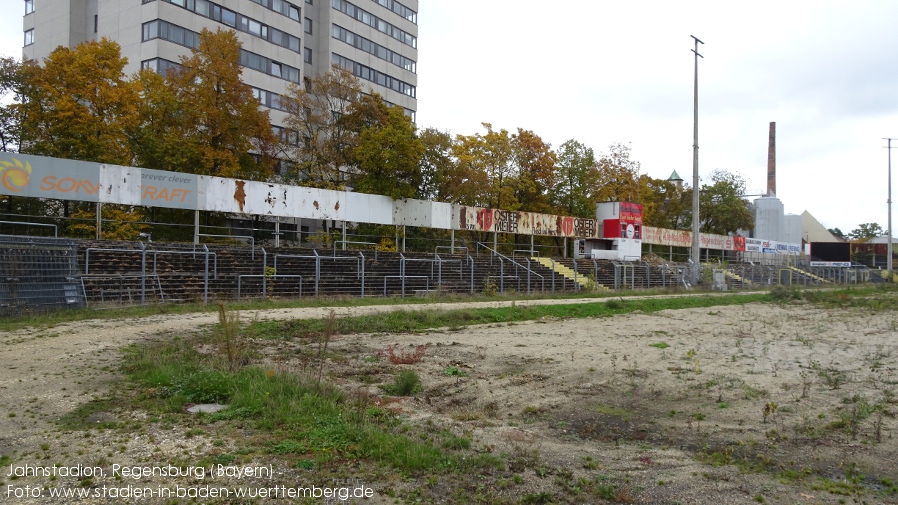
[[284, 42]]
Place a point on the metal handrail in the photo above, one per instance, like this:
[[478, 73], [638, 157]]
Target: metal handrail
[[264, 278], [316, 257], [440, 262], [450, 248], [502, 265], [55, 228], [362, 274], [403, 278], [252, 240], [344, 242], [530, 252]]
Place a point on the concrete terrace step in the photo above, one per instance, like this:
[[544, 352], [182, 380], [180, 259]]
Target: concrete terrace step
[[809, 274], [567, 272]]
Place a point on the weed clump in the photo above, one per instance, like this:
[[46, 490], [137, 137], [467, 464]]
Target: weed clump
[[407, 383], [229, 339], [403, 357]]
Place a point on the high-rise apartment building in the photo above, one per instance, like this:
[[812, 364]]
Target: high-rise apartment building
[[283, 41]]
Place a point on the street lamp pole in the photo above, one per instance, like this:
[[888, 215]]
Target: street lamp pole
[[889, 248], [696, 253]]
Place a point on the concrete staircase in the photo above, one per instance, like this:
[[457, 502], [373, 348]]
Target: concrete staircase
[[563, 270], [809, 275]]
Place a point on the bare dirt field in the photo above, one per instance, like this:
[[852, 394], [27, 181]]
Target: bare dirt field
[[757, 403]]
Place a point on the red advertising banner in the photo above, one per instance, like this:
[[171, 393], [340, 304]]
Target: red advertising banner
[[525, 223]]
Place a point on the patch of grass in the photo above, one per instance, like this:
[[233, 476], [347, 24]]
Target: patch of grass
[[407, 383], [407, 321], [608, 410], [93, 414], [295, 415], [660, 345]]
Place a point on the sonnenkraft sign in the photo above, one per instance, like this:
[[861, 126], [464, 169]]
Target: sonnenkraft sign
[[43, 177]]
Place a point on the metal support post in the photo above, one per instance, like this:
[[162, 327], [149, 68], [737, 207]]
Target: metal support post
[[99, 221]]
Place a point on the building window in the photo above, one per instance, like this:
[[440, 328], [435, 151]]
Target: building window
[[369, 74], [29, 6], [368, 46], [375, 22], [160, 65], [29, 37], [244, 23], [307, 25], [307, 55], [95, 23]]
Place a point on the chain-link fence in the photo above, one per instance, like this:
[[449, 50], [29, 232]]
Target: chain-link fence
[[38, 274]]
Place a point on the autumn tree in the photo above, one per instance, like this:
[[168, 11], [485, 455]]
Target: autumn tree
[[79, 105], [201, 117], [385, 153], [617, 176], [575, 179], [534, 166], [317, 142], [487, 169]]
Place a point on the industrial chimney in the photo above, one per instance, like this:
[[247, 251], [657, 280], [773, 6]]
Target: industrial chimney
[[771, 161]]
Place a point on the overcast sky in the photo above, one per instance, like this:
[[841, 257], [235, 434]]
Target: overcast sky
[[606, 72]]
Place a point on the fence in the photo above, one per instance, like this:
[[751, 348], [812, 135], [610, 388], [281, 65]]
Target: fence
[[38, 274], [44, 273]]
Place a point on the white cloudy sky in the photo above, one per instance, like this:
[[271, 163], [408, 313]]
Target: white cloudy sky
[[603, 72]]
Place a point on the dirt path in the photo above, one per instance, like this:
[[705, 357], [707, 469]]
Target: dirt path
[[634, 399]]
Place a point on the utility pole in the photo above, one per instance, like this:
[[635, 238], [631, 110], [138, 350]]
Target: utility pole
[[696, 253], [889, 248]]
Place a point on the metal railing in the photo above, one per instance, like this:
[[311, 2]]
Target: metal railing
[[502, 258], [252, 240], [345, 242], [267, 283], [360, 265], [450, 248], [55, 228]]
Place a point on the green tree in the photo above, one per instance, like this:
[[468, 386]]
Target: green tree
[[11, 86], [721, 206], [663, 204], [206, 116], [438, 167], [386, 152], [866, 231], [576, 176], [79, 105], [318, 142], [838, 233]]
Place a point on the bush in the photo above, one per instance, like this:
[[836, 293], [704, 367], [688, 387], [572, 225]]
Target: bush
[[406, 383], [202, 386], [784, 294]]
